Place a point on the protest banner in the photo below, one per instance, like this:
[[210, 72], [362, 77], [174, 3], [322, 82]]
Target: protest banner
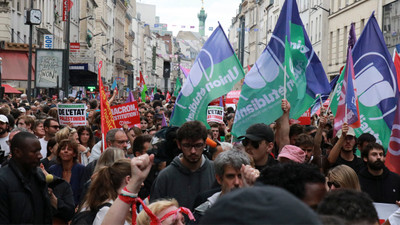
[[214, 73], [287, 68], [215, 114], [304, 119], [127, 113], [74, 114]]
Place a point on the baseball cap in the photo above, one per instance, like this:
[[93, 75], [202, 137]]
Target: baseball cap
[[351, 132], [259, 205], [259, 132], [293, 153], [22, 109], [3, 119]]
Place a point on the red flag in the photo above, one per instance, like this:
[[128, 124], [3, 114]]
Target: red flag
[[107, 119], [67, 5], [392, 161]]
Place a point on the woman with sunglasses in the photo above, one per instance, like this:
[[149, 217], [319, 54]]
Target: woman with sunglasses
[[342, 176]]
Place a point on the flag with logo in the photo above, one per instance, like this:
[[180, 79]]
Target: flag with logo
[[177, 87], [392, 161], [376, 84], [347, 109], [143, 87], [289, 60], [107, 119], [214, 73], [130, 98], [185, 71]]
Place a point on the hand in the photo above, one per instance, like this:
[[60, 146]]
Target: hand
[[53, 198], [323, 120], [249, 175], [285, 106], [140, 168], [43, 169], [345, 129]]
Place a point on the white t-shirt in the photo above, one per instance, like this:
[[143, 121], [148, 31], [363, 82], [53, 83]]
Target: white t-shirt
[[43, 145], [102, 213], [4, 146], [96, 152]]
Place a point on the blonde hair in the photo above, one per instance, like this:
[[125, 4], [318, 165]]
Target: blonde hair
[[65, 133], [156, 208], [108, 157], [345, 176]]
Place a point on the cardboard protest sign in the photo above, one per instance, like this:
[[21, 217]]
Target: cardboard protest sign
[[215, 114], [127, 113], [74, 114]]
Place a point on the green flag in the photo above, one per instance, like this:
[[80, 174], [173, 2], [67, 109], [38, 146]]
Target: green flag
[[214, 73], [178, 86]]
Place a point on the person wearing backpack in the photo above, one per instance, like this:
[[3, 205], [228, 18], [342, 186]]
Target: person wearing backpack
[[104, 189]]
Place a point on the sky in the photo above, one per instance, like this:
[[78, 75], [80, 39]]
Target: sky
[[184, 13]]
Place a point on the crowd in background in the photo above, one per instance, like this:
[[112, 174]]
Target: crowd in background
[[154, 173]]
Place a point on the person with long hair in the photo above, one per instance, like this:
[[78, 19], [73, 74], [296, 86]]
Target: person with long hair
[[106, 187], [86, 139], [342, 176], [68, 168], [72, 134], [162, 212]]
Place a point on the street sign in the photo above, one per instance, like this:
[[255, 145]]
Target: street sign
[[74, 46], [48, 41]]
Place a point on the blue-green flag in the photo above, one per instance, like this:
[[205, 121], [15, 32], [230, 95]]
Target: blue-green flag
[[214, 73], [288, 54]]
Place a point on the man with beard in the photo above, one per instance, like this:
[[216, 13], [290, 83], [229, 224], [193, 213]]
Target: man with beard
[[375, 179], [23, 190], [190, 173], [4, 132]]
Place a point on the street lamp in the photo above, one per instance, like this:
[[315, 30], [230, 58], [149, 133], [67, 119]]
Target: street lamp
[[318, 6], [86, 17]]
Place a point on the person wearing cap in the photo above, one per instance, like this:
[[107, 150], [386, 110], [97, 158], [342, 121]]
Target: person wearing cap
[[190, 173], [4, 133], [343, 151], [291, 153], [258, 143]]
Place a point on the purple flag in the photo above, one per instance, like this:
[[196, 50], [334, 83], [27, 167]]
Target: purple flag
[[185, 71], [130, 97], [164, 121]]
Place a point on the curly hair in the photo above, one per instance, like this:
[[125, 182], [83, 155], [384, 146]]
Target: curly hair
[[192, 130]]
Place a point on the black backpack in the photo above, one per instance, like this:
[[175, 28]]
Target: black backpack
[[87, 217]]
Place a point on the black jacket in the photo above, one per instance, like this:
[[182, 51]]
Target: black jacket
[[17, 203], [384, 188]]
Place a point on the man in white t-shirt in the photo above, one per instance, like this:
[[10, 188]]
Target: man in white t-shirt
[[51, 126], [4, 132]]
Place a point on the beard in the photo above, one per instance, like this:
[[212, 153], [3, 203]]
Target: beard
[[3, 131], [377, 165]]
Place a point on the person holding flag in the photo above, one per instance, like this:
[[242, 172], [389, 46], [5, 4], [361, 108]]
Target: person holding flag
[[287, 69], [347, 116]]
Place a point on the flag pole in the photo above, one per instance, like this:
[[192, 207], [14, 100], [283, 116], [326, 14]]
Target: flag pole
[[284, 84]]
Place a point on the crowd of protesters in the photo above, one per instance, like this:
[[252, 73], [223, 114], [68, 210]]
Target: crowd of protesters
[[159, 174]]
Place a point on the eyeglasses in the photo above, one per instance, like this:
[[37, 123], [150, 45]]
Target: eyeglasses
[[55, 127], [197, 146], [247, 141], [330, 183]]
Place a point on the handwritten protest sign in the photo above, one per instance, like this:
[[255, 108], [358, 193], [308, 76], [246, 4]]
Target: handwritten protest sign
[[74, 114], [215, 114], [127, 113]]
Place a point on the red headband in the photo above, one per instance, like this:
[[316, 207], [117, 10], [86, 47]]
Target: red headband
[[153, 218]]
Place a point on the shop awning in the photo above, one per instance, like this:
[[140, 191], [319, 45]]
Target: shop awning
[[15, 65], [10, 90]]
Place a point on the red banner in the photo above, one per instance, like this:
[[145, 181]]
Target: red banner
[[304, 119], [127, 113], [107, 120], [67, 5], [233, 97]]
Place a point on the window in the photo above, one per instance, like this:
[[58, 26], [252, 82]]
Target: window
[[18, 5], [337, 46], [331, 48], [345, 38]]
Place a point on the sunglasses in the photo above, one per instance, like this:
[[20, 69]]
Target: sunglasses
[[247, 141], [336, 185]]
